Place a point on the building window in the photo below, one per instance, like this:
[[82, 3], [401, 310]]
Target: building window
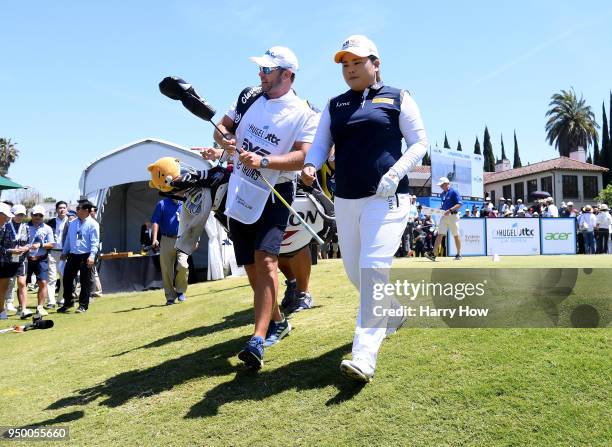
[[570, 186], [519, 191], [532, 185], [507, 192], [546, 184], [492, 197], [589, 186]]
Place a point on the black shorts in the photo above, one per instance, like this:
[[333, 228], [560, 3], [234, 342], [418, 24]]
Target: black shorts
[[267, 233], [9, 269]]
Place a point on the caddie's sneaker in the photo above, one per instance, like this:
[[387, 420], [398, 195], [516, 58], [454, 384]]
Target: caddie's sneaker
[[181, 297], [50, 306], [81, 310], [64, 309], [304, 301], [289, 294], [356, 370], [253, 353], [3, 315], [458, 258], [10, 308], [170, 301], [41, 311], [429, 255], [276, 331]]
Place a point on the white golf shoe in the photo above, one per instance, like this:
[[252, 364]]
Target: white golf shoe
[[357, 370], [10, 308], [41, 311]]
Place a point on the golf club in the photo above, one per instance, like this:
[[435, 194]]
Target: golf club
[[179, 89]]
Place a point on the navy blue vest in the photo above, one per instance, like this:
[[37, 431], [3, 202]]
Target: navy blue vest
[[367, 138]]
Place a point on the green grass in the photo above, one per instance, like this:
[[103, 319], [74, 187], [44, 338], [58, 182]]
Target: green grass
[[132, 372]]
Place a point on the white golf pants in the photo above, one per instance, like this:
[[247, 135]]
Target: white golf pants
[[369, 233]]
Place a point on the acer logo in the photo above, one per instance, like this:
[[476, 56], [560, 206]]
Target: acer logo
[[557, 236]]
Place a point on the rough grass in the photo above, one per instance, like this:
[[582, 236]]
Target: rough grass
[[132, 372]]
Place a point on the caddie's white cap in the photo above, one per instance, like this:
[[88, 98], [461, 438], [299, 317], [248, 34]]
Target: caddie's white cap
[[18, 209], [277, 57], [38, 209], [358, 45], [443, 180], [519, 201], [6, 210]]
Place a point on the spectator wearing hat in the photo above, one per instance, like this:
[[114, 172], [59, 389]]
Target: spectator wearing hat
[[18, 231], [7, 269], [57, 225], [79, 251], [41, 241], [586, 224], [551, 208], [603, 222], [520, 205], [503, 206], [451, 202]]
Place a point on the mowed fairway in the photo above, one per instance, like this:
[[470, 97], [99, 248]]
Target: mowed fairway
[[132, 372]]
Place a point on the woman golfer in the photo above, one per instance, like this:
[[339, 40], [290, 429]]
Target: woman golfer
[[366, 124]]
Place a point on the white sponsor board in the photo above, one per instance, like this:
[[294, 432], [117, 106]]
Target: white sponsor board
[[472, 234], [558, 236], [463, 169], [513, 236]]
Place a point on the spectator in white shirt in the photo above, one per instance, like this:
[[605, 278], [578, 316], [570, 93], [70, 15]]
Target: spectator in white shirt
[[603, 221], [586, 224]]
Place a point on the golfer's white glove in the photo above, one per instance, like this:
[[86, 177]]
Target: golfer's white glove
[[388, 184]]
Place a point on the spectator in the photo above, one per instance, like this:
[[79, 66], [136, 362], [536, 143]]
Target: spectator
[[146, 234], [41, 241], [79, 251], [7, 268], [602, 226], [165, 224], [57, 225], [20, 239], [519, 205], [551, 208], [586, 225], [96, 286]]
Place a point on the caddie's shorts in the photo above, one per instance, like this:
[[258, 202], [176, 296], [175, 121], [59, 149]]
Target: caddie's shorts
[[39, 267], [267, 233]]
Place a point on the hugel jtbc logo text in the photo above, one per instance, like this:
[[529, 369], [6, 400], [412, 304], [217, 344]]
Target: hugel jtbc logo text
[[263, 134]]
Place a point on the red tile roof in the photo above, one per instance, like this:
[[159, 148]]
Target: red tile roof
[[560, 163]]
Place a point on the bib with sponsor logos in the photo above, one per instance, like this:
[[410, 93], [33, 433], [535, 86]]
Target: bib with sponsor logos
[[269, 127]]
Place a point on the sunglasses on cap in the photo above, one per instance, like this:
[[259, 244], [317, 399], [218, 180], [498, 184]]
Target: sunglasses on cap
[[268, 70]]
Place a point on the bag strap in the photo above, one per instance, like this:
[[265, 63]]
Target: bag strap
[[245, 100]]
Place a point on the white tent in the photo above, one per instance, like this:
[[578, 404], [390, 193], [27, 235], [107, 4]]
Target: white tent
[[118, 184]]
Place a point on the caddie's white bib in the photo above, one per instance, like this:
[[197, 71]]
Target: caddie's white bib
[[269, 127]]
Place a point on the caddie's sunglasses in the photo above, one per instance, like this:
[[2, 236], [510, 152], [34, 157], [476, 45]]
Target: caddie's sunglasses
[[268, 70]]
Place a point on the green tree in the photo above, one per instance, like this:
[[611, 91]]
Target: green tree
[[426, 161], [517, 157], [477, 147], [596, 154], [489, 158], [571, 123], [503, 149], [8, 155], [589, 160], [605, 195], [446, 145], [459, 148]]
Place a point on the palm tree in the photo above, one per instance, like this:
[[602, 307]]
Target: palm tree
[[571, 123], [8, 155]]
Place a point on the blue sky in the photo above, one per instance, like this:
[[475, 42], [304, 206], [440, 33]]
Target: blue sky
[[80, 78]]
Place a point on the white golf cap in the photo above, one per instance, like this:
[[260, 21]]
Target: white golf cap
[[570, 203], [358, 45], [277, 57], [501, 199], [443, 180], [487, 198], [18, 209], [519, 201], [6, 210], [38, 209]]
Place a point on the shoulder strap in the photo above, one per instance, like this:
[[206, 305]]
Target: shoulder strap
[[245, 100]]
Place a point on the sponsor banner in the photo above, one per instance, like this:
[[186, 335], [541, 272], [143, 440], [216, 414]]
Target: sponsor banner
[[558, 235], [463, 169], [513, 236], [486, 297], [472, 234]]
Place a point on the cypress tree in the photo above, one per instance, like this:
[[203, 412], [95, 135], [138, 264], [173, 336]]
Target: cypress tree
[[489, 158], [426, 161], [503, 150], [459, 148], [517, 157], [477, 147], [589, 160], [606, 152], [596, 155], [446, 145]]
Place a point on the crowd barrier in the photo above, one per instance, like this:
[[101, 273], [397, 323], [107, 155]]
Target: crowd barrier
[[515, 236]]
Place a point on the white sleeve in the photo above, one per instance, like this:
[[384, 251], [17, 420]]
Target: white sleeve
[[413, 130], [231, 113], [319, 151], [308, 131]]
